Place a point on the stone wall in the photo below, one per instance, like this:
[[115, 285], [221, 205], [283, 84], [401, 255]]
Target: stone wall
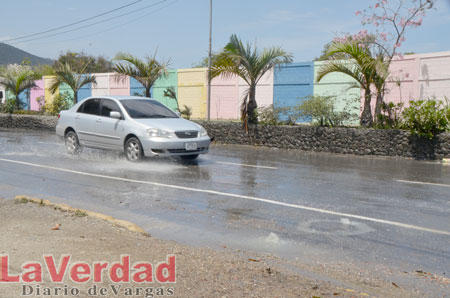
[[28, 122], [356, 141]]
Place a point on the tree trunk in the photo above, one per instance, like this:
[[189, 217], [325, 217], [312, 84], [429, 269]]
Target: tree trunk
[[75, 97], [366, 116], [17, 103], [147, 92], [252, 105], [378, 105]]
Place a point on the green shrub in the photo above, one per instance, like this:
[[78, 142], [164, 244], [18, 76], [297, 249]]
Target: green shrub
[[427, 118], [60, 102], [27, 112], [267, 115], [9, 106], [322, 111], [391, 116]]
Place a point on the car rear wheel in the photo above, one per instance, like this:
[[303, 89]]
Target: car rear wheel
[[189, 157], [133, 150], [72, 144]]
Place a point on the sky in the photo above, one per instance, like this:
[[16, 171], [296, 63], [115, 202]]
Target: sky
[[179, 29]]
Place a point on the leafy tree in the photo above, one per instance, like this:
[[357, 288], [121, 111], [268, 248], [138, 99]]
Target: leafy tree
[[65, 73], [78, 62], [248, 63], [43, 70], [146, 72], [362, 68], [16, 79], [392, 19], [204, 62]]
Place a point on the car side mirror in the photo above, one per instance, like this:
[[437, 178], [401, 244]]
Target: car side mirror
[[115, 115]]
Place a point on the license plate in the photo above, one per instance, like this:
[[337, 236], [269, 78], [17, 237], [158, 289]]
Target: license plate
[[191, 146]]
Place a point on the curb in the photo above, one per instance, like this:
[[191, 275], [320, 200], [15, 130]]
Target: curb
[[64, 207]]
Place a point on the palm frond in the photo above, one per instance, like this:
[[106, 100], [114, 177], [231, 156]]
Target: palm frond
[[146, 72]]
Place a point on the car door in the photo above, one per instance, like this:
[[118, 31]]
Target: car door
[[86, 121], [109, 130]]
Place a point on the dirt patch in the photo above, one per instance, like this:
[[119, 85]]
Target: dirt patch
[[31, 230]]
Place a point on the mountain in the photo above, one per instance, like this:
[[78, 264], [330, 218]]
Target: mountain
[[11, 55]]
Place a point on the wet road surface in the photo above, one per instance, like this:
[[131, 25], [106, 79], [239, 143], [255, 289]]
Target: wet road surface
[[310, 206]]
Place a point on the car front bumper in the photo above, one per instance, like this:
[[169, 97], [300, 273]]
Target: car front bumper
[[174, 147]]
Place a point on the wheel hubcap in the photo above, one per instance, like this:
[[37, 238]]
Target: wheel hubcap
[[133, 151], [71, 143]]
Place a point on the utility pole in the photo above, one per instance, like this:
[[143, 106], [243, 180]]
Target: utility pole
[[209, 61]]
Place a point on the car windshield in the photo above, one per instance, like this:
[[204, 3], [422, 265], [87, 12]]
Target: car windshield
[[146, 108]]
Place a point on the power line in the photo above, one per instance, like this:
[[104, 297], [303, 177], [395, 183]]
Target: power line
[[89, 25], [122, 24], [74, 23], [114, 27]]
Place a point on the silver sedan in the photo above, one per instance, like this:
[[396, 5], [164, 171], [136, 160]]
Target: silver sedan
[[139, 126]]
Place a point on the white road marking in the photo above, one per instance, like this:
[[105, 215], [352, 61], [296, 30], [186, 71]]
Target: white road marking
[[272, 202], [246, 165], [425, 183]]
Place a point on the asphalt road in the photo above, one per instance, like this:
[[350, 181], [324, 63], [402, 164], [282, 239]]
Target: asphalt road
[[308, 206]]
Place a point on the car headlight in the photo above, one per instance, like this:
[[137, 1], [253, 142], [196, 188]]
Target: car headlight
[[203, 132], [156, 132]]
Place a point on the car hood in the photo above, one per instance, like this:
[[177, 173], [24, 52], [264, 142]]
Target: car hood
[[169, 124]]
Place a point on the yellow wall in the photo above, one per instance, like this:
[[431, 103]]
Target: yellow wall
[[192, 85], [48, 95]]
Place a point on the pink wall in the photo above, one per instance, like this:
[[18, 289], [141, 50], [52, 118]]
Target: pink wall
[[225, 98], [403, 81], [102, 85], [264, 90], [119, 85], [434, 75], [36, 92], [421, 76]]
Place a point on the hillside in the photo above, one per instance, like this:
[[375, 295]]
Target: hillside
[[11, 55]]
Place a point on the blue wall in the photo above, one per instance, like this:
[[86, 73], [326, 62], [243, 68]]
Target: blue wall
[[136, 87], [24, 99], [292, 83], [84, 92]]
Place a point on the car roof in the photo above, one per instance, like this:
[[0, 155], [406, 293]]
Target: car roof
[[124, 97]]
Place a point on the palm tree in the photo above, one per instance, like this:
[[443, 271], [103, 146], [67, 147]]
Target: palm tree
[[145, 72], [379, 79], [248, 63], [16, 80], [170, 93], [362, 68], [65, 73]]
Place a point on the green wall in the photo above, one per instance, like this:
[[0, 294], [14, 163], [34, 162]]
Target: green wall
[[338, 85], [171, 80]]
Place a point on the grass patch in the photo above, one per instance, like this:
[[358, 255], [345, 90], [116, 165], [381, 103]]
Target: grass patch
[[21, 200], [79, 213]]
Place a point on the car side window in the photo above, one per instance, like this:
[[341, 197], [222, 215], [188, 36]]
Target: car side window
[[80, 109], [109, 106], [91, 106]]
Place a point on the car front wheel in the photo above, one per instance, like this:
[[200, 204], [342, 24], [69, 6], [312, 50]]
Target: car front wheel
[[72, 144], [133, 149]]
